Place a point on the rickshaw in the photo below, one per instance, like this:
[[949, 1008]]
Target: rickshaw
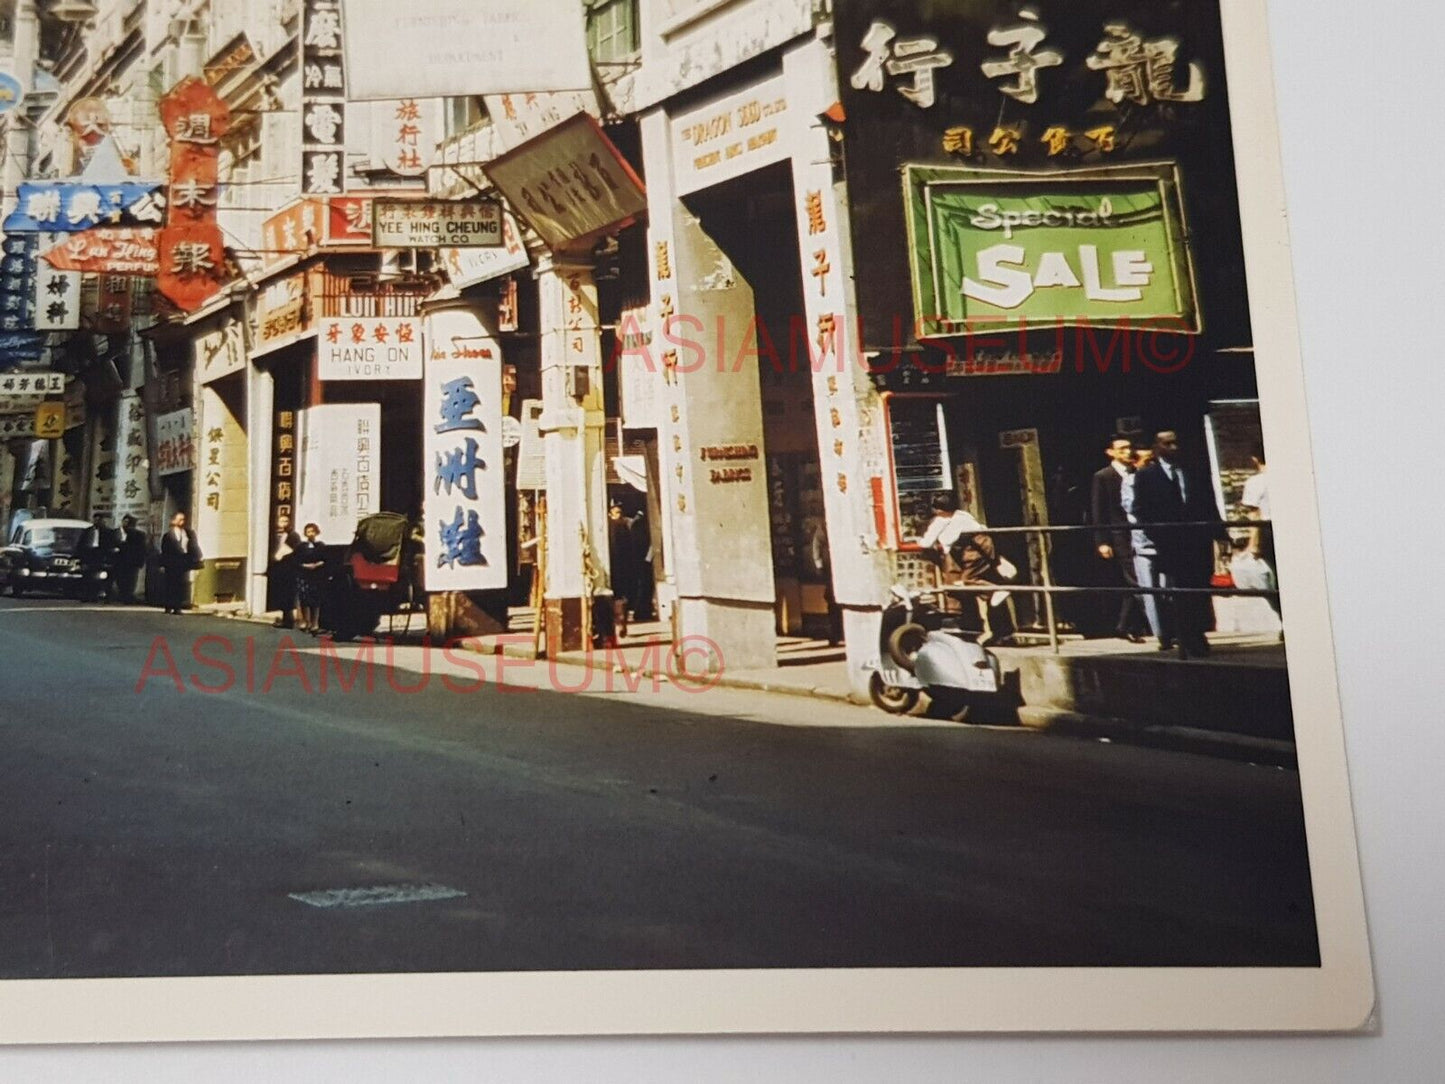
[[380, 576]]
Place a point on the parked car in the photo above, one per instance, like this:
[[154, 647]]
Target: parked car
[[43, 555]]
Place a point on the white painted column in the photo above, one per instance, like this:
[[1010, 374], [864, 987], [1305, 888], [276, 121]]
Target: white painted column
[[573, 425], [847, 409]]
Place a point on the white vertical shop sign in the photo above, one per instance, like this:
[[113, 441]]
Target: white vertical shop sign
[[132, 487], [175, 442], [57, 299], [405, 134], [465, 500], [456, 48], [340, 454]]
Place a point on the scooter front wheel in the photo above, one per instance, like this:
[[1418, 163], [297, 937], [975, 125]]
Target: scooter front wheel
[[894, 699]]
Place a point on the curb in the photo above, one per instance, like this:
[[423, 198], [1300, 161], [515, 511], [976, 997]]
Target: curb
[[1215, 743]]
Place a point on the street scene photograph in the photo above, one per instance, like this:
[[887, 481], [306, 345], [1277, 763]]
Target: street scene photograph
[[629, 485]]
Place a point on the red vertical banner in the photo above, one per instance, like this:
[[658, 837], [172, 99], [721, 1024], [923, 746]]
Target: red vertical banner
[[192, 252]]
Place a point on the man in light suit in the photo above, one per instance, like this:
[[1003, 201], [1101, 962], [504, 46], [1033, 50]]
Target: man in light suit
[[1163, 493], [180, 556]]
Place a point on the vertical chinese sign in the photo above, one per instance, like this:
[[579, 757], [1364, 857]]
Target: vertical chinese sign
[[132, 486], [283, 467], [465, 502], [405, 134], [323, 99], [192, 260]]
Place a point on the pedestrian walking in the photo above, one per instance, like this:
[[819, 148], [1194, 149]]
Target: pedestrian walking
[[622, 559], [1112, 541], [310, 563], [1165, 493], [281, 572], [130, 558], [94, 553], [180, 556]]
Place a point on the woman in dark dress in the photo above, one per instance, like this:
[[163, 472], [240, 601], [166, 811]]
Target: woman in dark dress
[[310, 563]]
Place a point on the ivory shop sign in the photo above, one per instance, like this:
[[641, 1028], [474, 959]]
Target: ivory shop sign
[[1103, 247], [436, 223], [369, 348], [469, 266], [465, 498], [570, 183]]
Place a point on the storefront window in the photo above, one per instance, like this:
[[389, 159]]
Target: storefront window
[[611, 30]]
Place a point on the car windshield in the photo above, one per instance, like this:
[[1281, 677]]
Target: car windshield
[[61, 539]]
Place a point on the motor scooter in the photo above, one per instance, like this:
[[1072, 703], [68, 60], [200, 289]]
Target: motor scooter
[[922, 649]]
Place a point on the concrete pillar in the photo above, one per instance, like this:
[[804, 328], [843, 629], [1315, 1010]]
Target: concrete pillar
[[17, 131], [711, 439], [573, 424], [847, 410]]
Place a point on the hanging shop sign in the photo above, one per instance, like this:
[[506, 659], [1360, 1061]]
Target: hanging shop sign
[[112, 304], [293, 232], [17, 296], [516, 118], [469, 266], [340, 449], [1060, 87], [103, 467], [465, 497], [283, 466], [531, 455], [220, 352], [57, 300], [17, 425], [348, 220], [132, 492], [107, 251], [405, 134], [570, 183], [281, 313], [730, 136], [436, 223], [369, 348], [29, 386], [72, 206], [11, 92], [50, 420], [175, 442], [323, 97], [456, 48], [191, 248], [1103, 247], [239, 57]]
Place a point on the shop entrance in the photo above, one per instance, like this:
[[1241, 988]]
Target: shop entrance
[[753, 222]]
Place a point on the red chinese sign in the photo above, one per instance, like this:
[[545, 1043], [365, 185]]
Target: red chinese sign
[[192, 257]]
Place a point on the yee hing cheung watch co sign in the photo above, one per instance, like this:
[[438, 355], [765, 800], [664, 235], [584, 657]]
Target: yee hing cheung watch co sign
[[1103, 247]]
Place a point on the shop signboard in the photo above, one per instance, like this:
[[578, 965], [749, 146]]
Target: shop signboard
[[73, 206], [107, 251], [281, 313], [10, 92], [323, 98], [369, 348], [531, 456], [50, 420], [465, 494], [191, 256], [400, 223], [570, 183], [456, 48], [1039, 98], [57, 300], [25, 388], [730, 136], [175, 442], [348, 220], [516, 118], [469, 266], [220, 352], [18, 256], [293, 232], [405, 134], [132, 491], [340, 477], [17, 425], [1103, 247]]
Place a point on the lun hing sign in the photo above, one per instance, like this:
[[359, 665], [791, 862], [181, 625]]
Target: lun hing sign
[[1103, 247]]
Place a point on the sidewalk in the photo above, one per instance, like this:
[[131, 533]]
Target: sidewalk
[[1234, 703]]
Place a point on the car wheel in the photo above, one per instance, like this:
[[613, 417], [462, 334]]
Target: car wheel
[[904, 643], [894, 699]]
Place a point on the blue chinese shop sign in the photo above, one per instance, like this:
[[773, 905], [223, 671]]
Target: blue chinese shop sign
[[72, 206]]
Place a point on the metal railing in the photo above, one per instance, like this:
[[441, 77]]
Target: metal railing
[[1048, 590]]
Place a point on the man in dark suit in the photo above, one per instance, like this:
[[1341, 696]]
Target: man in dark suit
[[94, 552], [281, 572], [130, 558], [180, 556], [1163, 493], [1111, 534]]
